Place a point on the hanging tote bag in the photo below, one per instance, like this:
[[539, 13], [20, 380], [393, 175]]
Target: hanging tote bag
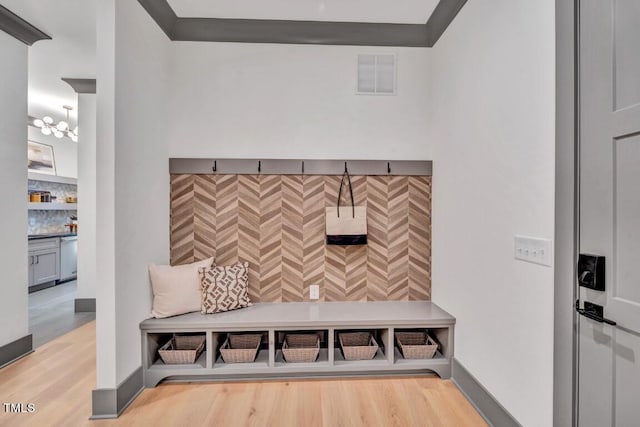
[[347, 226]]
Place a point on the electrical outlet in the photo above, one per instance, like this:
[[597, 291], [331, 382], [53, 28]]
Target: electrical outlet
[[531, 249], [314, 292]]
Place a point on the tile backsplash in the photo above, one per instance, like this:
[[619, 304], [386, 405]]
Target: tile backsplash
[[42, 222]]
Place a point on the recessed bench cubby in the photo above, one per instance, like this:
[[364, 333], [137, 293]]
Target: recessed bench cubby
[[273, 321]]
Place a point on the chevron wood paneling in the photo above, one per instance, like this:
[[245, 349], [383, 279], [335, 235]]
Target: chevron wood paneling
[[204, 220], [249, 229], [378, 251], [271, 238], [397, 238], [313, 237], [225, 247], [182, 219], [276, 223], [292, 238], [335, 256], [420, 238]]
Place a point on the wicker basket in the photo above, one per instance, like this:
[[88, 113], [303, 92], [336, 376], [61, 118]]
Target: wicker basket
[[301, 347], [182, 349], [240, 348], [416, 345], [358, 345]]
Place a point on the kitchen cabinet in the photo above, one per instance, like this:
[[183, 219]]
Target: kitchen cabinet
[[30, 264], [44, 261]]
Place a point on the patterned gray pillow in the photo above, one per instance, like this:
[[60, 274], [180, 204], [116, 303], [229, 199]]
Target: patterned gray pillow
[[225, 288]]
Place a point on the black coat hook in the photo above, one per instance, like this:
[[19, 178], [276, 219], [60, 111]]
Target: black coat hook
[[303, 167], [388, 167], [345, 167], [215, 166], [259, 166]]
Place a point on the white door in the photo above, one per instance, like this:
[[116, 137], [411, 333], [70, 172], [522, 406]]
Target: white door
[[609, 341]]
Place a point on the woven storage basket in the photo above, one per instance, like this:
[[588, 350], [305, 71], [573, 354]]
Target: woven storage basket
[[416, 345], [358, 345], [301, 347], [241, 348], [182, 349]]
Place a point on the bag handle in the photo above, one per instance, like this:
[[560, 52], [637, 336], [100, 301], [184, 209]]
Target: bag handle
[[353, 206]]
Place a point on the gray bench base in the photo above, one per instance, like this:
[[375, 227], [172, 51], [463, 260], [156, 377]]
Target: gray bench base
[[274, 319]]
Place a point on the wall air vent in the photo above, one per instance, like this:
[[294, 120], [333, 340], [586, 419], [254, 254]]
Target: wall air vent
[[376, 74]]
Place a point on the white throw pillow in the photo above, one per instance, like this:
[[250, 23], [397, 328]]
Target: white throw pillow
[[176, 289]]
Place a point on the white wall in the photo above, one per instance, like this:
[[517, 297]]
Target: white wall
[[142, 171], [133, 170], [224, 100], [493, 130], [65, 152], [105, 204], [13, 190], [481, 104], [290, 101], [87, 258]]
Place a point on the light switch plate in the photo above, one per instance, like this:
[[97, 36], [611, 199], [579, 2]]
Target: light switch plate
[[532, 249], [314, 292]]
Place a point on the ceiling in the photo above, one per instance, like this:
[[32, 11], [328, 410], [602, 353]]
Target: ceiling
[[70, 53], [72, 26], [397, 12]]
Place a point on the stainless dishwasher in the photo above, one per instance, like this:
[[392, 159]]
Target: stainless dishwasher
[[68, 258]]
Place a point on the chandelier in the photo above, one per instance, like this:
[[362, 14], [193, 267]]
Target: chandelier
[[60, 129]]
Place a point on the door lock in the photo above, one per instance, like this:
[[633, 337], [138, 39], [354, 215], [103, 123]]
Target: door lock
[[593, 312], [591, 271]]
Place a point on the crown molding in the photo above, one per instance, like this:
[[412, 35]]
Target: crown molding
[[442, 16], [303, 32], [299, 32], [20, 29], [162, 13], [81, 85]]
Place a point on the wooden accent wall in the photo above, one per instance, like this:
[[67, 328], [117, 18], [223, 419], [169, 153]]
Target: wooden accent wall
[[276, 223]]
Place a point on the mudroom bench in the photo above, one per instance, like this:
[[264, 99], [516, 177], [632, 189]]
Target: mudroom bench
[[273, 321]]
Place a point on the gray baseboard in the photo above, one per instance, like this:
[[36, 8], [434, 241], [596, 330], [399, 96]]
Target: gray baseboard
[[15, 350], [490, 409], [111, 402], [41, 286], [85, 305]]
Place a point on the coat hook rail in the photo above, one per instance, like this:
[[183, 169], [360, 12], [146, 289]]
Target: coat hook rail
[[296, 166]]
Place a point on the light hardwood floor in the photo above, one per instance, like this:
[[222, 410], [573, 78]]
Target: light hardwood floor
[[59, 376]]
